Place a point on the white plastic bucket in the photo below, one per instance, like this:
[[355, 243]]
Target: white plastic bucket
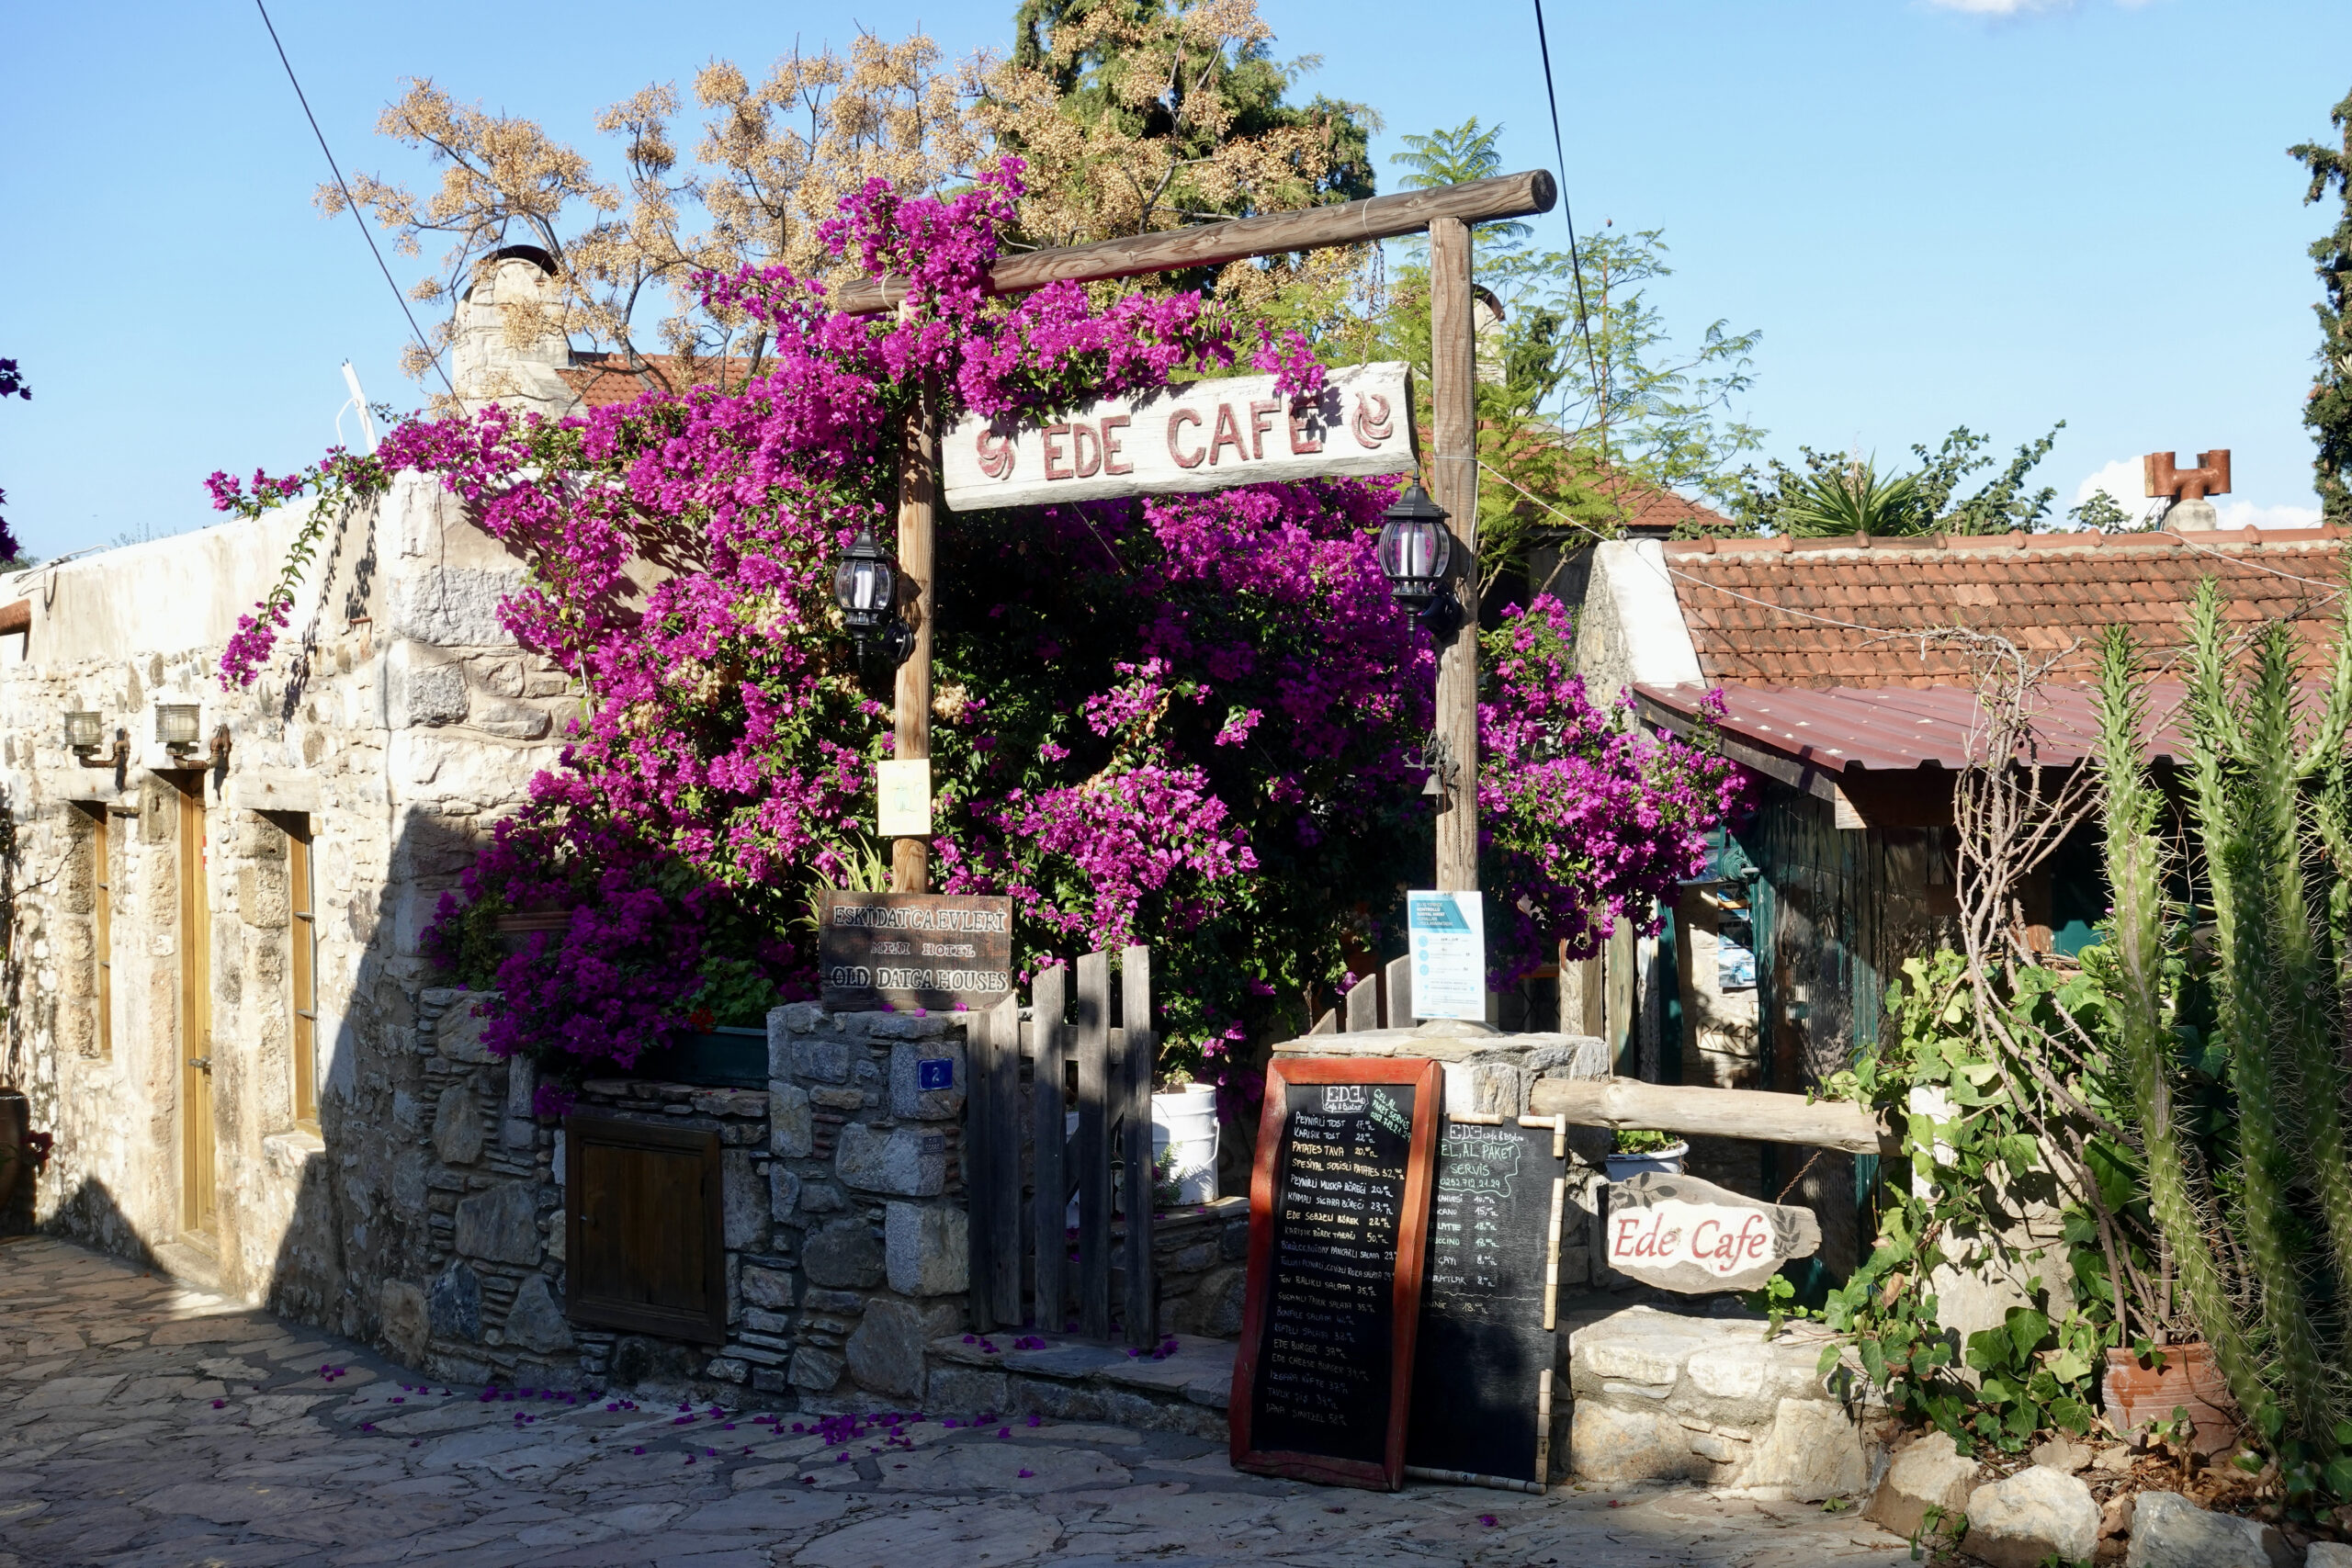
[[1185, 1142]]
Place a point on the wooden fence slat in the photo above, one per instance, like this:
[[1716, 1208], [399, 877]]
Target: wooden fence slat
[[1142, 1305], [1048, 996], [1003, 1210], [1363, 1005], [1095, 1111], [1400, 992], [1327, 1024], [981, 1157]]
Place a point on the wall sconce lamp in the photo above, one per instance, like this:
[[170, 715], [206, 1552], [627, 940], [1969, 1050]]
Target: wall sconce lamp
[[865, 586], [1416, 554], [176, 726], [82, 735]]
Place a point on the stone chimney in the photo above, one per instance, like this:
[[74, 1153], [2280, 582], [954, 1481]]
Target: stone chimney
[[484, 365], [2187, 488]]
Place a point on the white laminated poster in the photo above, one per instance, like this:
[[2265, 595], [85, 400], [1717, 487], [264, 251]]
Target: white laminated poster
[[903, 791], [1449, 949]]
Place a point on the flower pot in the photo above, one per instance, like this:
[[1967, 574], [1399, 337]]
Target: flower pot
[[1666, 1161], [16, 1152], [729, 1056], [2136, 1395], [1185, 1142]]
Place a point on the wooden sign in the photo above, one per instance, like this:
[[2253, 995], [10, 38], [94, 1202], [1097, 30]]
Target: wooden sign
[[1197, 436], [1682, 1233], [1483, 1366], [933, 951], [1322, 1379]]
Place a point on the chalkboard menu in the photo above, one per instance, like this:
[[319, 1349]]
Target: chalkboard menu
[[1482, 1372], [913, 950], [1322, 1379]]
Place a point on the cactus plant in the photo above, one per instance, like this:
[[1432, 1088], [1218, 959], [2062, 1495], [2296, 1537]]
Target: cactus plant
[[2267, 812]]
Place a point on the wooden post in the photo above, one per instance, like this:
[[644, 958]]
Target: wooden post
[[1454, 485], [1048, 996], [1142, 1303], [918, 499]]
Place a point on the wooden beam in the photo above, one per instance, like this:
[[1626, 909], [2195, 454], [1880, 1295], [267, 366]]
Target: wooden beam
[[1454, 485], [1713, 1112], [918, 500], [1214, 244]]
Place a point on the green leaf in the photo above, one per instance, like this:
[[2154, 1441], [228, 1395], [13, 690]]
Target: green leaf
[[2027, 1329]]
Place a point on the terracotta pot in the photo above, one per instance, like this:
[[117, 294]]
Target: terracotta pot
[[2136, 1395], [15, 1120]]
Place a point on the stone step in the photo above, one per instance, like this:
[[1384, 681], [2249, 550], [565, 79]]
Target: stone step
[[1073, 1379]]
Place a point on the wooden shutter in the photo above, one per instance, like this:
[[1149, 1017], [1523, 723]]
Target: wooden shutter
[[646, 1247]]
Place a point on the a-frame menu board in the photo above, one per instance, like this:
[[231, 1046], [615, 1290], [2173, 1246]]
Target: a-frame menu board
[[1338, 1208]]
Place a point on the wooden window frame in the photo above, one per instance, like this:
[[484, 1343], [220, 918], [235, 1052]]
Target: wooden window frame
[[101, 929], [302, 971], [707, 1326]]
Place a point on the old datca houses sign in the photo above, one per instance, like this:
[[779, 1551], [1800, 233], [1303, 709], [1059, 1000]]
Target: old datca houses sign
[[1199, 435], [933, 951], [1681, 1233]]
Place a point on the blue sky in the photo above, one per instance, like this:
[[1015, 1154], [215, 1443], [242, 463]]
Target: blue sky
[[1990, 213]]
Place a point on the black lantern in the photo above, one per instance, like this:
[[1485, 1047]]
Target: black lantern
[[865, 586], [1416, 549]]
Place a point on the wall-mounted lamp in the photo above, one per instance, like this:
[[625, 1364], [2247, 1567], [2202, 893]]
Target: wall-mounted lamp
[[82, 736], [1416, 554], [865, 586], [177, 725]]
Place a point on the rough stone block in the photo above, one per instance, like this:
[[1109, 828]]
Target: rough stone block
[[744, 1200], [2170, 1531], [727, 1369], [2328, 1555], [783, 1191], [453, 606], [1812, 1452], [512, 720], [458, 1036], [2037, 1514], [769, 1288], [819, 1197], [1931, 1472], [906, 1161], [501, 1223], [966, 1391], [1612, 1446], [927, 1248], [453, 1306], [845, 1253], [886, 1353], [534, 1322], [814, 1369], [1058, 1401], [400, 1307], [456, 1126], [792, 1124], [519, 1131], [908, 1097], [820, 1061], [426, 694]]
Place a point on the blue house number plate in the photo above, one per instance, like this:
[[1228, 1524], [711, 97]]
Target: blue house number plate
[[935, 1073]]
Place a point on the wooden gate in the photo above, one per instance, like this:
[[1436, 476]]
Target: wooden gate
[[1077, 1059], [644, 1240]]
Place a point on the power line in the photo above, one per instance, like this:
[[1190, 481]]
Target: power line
[[1576, 266], [356, 216]]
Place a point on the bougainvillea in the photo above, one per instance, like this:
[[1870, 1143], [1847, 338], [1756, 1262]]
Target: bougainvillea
[[1185, 720]]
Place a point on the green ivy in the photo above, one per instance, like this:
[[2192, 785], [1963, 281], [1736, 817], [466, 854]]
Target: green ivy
[[1963, 1147]]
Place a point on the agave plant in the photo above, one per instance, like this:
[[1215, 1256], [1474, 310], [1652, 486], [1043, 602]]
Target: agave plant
[[2266, 799], [1854, 497]]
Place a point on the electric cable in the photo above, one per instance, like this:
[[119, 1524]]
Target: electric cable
[[1576, 266], [356, 216]]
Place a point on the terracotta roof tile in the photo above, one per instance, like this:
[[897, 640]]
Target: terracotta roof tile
[[2049, 594]]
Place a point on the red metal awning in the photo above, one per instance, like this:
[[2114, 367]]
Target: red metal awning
[[1836, 729]]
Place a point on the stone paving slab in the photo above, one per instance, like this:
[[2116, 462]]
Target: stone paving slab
[[124, 1449]]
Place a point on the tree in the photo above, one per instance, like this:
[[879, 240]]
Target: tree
[[2329, 410], [1842, 493], [1581, 390], [1127, 119], [12, 385]]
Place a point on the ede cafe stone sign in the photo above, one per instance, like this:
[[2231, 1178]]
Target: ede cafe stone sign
[[1679, 1233]]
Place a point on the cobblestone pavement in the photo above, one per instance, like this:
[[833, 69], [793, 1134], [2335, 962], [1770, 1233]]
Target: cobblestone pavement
[[144, 1423]]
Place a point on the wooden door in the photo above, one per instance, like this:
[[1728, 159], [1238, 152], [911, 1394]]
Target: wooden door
[[199, 1179], [644, 1228]]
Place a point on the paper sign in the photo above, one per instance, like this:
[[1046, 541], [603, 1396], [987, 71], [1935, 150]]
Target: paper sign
[[904, 791], [1448, 931], [1188, 436]]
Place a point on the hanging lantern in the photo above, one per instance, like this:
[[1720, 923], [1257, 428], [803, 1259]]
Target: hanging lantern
[[1415, 552], [865, 586]]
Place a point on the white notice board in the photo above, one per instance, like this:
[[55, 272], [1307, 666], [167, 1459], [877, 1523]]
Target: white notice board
[[1449, 950]]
